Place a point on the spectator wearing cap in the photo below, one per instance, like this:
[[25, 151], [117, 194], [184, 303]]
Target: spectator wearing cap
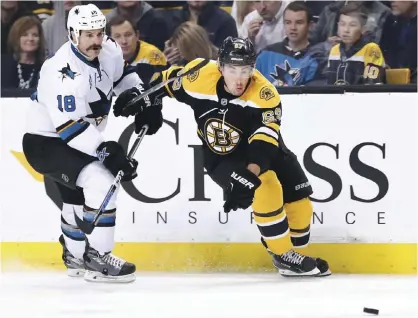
[[26, 44], [10, 12], [135, 51], [55, 27], [399, 37], [264, 26], [151, 24], [327, 27]]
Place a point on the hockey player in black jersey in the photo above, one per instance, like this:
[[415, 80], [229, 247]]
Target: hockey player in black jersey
[[238, 114]]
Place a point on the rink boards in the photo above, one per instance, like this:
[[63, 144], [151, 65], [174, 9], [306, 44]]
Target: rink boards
[[359, 152]]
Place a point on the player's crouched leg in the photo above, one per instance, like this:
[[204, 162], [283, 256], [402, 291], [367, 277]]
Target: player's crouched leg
[[101, 265], [299, 214], [271, 219], [72, 241]]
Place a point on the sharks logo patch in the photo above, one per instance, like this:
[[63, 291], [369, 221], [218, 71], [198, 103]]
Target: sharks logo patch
[[285, 74], [66, 72]]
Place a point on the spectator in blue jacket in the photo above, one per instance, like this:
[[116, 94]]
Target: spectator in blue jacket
[[288, 63]]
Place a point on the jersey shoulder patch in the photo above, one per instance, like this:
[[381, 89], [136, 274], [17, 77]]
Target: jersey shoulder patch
[[261, 93]]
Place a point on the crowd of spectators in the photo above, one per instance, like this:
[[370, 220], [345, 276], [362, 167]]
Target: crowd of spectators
[[297, 42]]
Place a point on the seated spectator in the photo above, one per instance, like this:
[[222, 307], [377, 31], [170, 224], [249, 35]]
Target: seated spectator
[[327, 26], [135, 51], [288, 63], [20, 68], [150, 23], [55, 27], [190, 41], [264, 26], [354, 60], [218, 23], [10, 12], [43, 9], [240, 9], [399, 37]]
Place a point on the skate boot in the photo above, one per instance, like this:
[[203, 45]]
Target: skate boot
[[107, 268], [323, 267], [75, 266], [294, 264]]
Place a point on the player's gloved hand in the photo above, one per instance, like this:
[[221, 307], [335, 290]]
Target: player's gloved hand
[[151, 116], [113, 157], [240, 192], [120, 108]]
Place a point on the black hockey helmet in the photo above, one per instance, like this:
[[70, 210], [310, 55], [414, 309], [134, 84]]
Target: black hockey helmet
[[237, 51]]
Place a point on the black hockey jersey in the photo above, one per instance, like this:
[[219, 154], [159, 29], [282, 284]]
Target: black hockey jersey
[[361, 64], [246, 126]]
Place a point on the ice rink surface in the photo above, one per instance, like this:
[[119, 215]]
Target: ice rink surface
[[208, 295]]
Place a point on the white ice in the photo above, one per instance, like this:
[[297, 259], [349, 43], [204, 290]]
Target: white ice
[[208, 295]]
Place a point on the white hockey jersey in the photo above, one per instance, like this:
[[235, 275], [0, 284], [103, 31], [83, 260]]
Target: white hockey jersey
[[74, 95]]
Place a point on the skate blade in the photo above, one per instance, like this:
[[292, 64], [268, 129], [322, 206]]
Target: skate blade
[[96, 277], [76, 272], [324, 274], [288, 273]]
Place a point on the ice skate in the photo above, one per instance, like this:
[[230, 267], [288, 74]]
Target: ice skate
[[75, 266], [294, 264], [107, 268]]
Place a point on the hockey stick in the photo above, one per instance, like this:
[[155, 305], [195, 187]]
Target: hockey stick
[[162, 84], [87, 227]]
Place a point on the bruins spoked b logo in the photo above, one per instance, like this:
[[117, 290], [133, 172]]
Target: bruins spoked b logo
[[221, 139]]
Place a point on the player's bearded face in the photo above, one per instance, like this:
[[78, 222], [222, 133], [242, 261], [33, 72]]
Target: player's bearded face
[[90, 43], [236, 78]]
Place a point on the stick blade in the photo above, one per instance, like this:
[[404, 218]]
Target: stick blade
[[86, 228]]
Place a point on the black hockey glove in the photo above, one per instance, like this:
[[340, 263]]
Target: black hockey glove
[[121, 104], [120, 108], [240, 192], [113, 157], [151, 116]]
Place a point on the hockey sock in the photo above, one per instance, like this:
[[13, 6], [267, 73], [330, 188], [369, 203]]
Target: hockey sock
[[103, 237], [270, 215], [75, 240], [299, 214]]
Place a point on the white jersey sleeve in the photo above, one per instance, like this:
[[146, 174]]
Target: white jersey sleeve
[[124, 73], [64, 94]]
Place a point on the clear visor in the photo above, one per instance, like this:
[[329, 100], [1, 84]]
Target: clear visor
[[238, 71]]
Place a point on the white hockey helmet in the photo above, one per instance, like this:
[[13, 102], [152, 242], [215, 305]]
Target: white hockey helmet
[[84, 17]]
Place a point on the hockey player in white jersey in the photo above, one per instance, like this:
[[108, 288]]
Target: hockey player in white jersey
[[64, 141]]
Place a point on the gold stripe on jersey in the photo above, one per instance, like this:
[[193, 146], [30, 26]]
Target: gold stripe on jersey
[[264, 138], [266, 134]]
